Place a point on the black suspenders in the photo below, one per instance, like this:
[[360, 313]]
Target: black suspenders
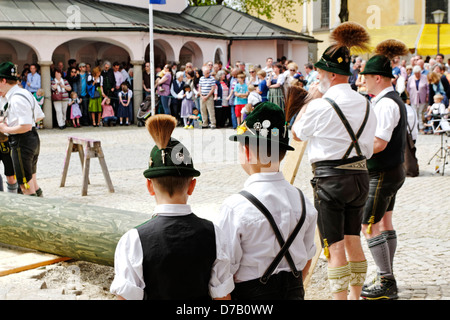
[[344, 120], [284, 245]]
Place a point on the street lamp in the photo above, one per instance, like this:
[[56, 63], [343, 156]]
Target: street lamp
[[438, 17]]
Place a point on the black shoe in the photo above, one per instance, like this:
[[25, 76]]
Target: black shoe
[[383, 289]]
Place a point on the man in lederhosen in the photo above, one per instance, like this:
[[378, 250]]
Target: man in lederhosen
[[386, 169], [340, 129], [19, 124]]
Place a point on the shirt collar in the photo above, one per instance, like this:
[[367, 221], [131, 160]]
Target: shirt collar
[[381, 94], [264, 177], [172, 210], [337, 89]]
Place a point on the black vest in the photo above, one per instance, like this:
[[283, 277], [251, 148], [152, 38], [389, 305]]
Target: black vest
[[394, 154], [177, 88], [179, 253]]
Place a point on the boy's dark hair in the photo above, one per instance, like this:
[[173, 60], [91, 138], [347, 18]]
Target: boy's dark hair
[[172, 184], [263, 149], [9, 81]]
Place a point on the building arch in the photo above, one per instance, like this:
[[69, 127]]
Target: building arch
[[17, 52], [163, 53], [191, 52]]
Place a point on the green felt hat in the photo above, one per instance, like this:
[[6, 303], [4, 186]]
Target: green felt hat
[[379, 65], [335, 61], [265, 123], [173, 160], [8, 70]]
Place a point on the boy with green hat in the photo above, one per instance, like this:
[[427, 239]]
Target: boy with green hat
[[386, 170], [270, 224], [19, 123], [174, 255]]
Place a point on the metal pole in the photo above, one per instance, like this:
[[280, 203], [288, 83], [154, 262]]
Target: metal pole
[[152, 58]]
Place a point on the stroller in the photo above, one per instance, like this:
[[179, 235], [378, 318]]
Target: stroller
[[145, 110]]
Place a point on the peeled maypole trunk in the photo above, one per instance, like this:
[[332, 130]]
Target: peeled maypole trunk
[[73, 230]]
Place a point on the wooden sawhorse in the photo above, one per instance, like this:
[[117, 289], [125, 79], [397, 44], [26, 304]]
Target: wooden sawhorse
[[87, 149]]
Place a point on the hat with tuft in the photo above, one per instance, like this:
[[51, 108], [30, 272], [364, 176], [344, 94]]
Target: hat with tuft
[[265, 123], [380, 64], [169, 157], [337, 57], [8, 70]]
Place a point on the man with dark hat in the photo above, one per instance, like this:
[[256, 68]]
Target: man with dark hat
[[269, 214], [340, 129], [174, 255], [386, 169], [19, 123]]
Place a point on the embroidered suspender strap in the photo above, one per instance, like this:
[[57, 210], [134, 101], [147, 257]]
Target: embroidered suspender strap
[[354, 137], [284, 245]]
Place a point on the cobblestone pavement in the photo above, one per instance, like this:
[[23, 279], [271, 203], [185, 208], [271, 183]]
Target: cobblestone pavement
[[421, 214]]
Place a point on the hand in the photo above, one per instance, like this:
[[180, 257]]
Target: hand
[[3, 127]]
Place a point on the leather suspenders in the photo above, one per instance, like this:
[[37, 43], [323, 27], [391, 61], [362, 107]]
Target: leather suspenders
[[354, 137], [284, 252]]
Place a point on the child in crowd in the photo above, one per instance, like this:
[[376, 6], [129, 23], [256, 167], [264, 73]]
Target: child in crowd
[[175, 255], [108, 116], [263, 88], [124, 102], [75, 111], [434, 112], [187, 105], [39, 96], [241, 94], [259, 269], [195, 119], [253, 96]]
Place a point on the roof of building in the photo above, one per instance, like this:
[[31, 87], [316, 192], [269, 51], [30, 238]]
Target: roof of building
[[214, 21]]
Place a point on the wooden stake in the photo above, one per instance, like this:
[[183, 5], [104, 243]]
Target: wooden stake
[[290, 169]]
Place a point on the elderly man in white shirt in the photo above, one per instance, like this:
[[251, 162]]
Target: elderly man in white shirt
[[339, 128]]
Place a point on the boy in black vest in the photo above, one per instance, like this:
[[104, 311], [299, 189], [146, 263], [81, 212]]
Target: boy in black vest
[[269, 215], [386, 170], [175, 255]]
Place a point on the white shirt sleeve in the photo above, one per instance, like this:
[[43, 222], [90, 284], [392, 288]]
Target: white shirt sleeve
[[388, 116], [307, 125], [221, 282], [129, 278], [230, 228]]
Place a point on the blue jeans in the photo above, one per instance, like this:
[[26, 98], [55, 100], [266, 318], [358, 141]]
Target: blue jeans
[[165, 104], [233, 117]]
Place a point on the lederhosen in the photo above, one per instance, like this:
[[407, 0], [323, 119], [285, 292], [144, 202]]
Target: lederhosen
[[282, 285], [341, 188], [25, 148]]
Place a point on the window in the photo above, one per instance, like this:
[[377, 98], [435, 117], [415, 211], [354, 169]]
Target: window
[[433, 5], [325, 14]]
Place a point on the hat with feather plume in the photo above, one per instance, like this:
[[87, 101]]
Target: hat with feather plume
[[346, 37], [385, 52], [169, 157]]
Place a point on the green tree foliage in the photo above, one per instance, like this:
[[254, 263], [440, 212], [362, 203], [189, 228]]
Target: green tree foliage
[[267, 8]]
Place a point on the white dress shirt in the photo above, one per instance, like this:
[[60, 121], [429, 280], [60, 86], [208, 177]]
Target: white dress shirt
[[388, 114], [253, 242], [19, 110], [129, 278], [321, 126]]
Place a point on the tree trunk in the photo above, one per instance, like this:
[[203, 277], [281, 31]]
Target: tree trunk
[[343, 14], [81, 232]]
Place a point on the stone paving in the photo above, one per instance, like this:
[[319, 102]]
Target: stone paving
[[421, 215]]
